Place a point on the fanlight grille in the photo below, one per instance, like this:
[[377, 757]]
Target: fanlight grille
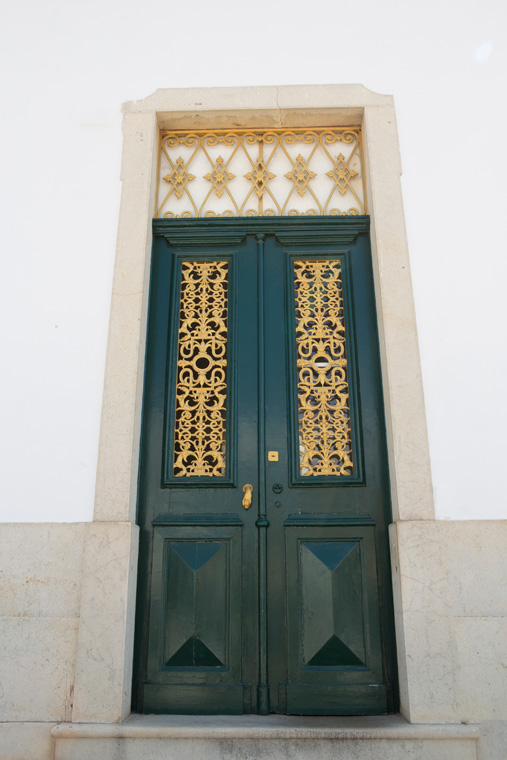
[[276, 172]]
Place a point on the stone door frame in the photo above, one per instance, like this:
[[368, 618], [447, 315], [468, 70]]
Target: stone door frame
[[103, 678]]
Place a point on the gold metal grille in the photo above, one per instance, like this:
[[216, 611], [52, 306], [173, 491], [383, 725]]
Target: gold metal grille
[[325, 444], [277, 172], [201, 389]]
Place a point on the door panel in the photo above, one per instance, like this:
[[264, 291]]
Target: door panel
[[199, 437], [332, 617], [263, 368], [327, 541], [196, 606]]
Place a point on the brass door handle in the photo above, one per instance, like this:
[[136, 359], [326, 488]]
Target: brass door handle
[[247, 499]]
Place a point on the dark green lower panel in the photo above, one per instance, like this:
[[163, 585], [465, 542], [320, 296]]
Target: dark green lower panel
[[182, 699], [336, 699]]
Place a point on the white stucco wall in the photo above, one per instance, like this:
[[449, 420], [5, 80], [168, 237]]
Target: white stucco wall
[[67, 68]]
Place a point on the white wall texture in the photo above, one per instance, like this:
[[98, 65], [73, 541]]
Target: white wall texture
[[68, 65]]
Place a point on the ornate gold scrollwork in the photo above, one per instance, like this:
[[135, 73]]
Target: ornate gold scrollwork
[[201, 387], [255, 172], [325, 444]]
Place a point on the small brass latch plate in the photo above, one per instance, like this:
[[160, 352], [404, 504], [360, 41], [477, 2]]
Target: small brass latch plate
[[272, 456]]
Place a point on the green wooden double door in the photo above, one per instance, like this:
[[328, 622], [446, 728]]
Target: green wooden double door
[[263, 503]]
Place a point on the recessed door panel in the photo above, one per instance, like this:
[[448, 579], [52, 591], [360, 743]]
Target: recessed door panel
[[197, 597], [332, 614], [196, 610]]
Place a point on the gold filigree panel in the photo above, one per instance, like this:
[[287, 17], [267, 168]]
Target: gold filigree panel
[[201, 387], [276, 172], [325, 443]]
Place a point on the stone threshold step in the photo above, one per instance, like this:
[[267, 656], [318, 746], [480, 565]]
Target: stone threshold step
[[265, 727]]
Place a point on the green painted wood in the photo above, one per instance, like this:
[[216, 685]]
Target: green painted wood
[[192, 632], [195, 606], [189, 519], [182, 699], [314, 518], [223, 229], [285, 607], [262, 523], [340, 698]]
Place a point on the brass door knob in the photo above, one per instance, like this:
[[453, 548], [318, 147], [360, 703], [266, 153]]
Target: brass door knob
[[247, 499]]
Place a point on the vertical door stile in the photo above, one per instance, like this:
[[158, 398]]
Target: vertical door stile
[[262, 522]]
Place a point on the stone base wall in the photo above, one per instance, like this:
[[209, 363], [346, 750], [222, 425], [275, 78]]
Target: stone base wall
[[450, 581], [450, 608], [41, 568]]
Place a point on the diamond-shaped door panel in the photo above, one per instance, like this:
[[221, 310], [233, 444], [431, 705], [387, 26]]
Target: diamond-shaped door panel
[[196, 605], [332, 607], [195, 616]]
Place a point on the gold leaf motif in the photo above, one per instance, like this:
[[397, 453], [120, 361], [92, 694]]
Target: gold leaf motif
[[259, 177], [300, 175], [325, 444], [201, 388], [341, 174], [219, 177], [179, 177]]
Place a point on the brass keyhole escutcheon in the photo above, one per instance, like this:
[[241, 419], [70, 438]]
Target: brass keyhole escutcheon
[[247, 498]]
